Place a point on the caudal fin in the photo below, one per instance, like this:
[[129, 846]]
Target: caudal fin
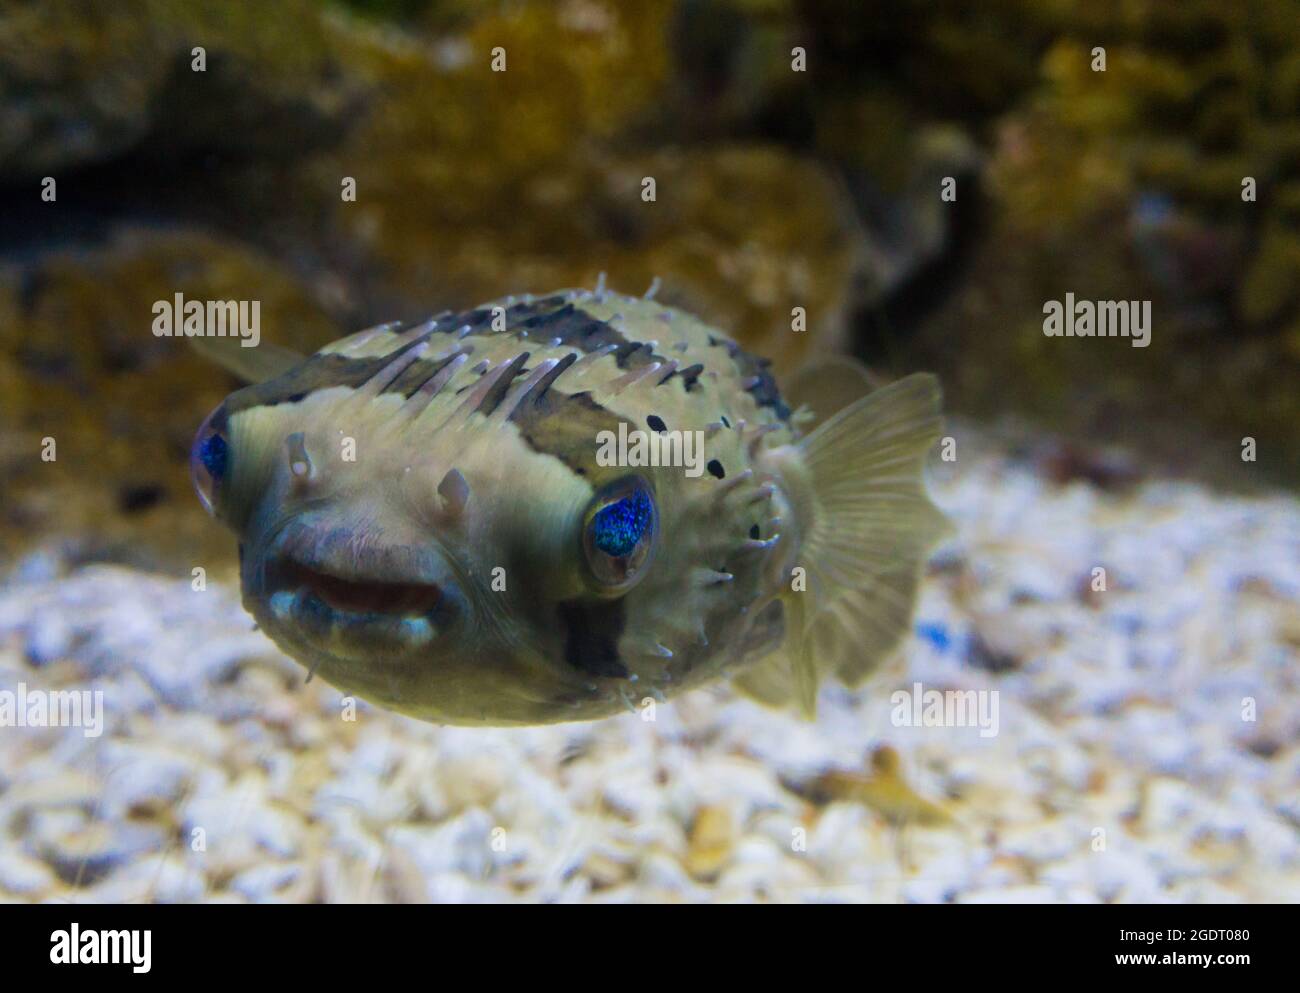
[[873, 526]]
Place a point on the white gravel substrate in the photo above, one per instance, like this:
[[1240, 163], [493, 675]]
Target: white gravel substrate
[[1123, 768]]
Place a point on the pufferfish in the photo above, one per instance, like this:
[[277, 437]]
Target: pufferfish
[[426, 520]]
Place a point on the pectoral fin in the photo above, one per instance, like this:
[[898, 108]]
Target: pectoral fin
[[873, 526], [253, 365]]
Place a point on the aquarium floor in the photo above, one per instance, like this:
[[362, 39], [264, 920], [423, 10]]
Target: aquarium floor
[[1146, 744]]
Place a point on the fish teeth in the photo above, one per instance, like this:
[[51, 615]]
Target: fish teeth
[[282, 604]]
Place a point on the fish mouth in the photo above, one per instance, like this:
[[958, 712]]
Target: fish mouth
[[382, 603], [352, 595]]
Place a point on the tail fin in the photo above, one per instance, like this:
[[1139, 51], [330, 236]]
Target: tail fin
[[872, 527]]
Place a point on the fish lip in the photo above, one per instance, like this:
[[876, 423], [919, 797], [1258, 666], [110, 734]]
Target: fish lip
[[350, 595], [314, 589], [335, 552]]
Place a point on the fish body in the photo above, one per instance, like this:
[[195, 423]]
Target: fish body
[[557, 508]]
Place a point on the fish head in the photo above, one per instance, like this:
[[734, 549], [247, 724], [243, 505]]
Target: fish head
[[441, 573]]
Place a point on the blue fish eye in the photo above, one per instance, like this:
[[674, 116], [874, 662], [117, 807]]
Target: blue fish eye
[[619, 527], [619, 536], [209, 460], [212, 453]]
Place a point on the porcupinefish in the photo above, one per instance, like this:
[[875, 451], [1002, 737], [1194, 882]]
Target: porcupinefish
[[425, 517]]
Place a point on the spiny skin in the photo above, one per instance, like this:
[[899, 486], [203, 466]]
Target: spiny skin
[[515, 411]]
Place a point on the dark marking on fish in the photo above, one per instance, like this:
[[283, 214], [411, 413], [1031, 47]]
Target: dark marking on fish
[[565, 426], [539, 388], [572, 327], [690, 376], [755, 372], [591, 633], [731, 347], [319, 372], [418, 373], [761, 384], [497, 391]]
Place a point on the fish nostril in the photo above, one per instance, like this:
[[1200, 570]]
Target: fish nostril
[[299, 461]]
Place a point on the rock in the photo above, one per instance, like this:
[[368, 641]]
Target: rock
[[149, 880], [457, 845], [714, 800], [261, 883], [712, 838], [85, 856], [275, 830], [79, 91], [138, 776], [605, 869], [23, 876], [1012, 894]]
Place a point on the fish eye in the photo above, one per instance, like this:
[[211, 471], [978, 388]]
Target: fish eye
[[618, 534], [209, 456]]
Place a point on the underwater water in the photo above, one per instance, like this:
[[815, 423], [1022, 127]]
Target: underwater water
[[1097, 698]]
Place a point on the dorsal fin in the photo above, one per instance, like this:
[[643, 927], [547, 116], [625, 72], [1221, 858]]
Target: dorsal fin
[[253, 365], [825, 386]]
